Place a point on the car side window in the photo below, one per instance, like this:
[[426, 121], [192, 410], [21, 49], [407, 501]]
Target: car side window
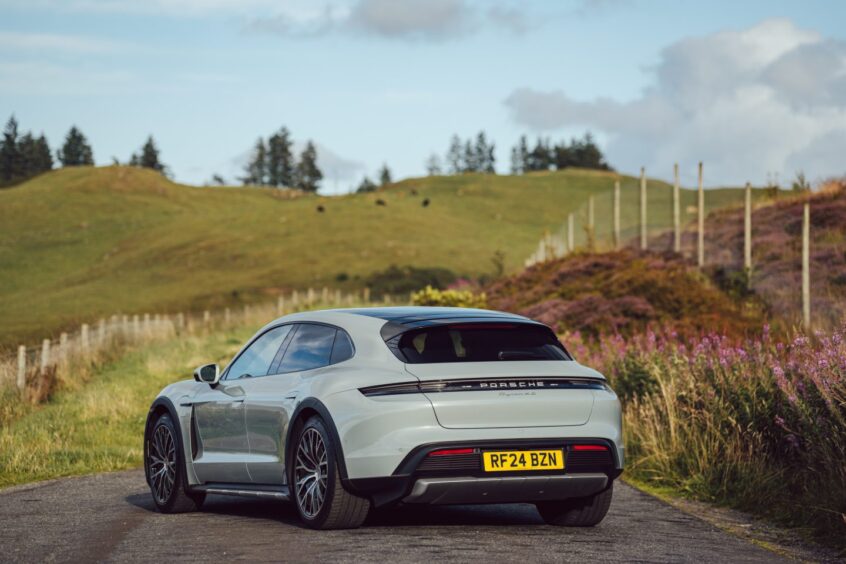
[[311, 347], [343, 348], [256, 360]]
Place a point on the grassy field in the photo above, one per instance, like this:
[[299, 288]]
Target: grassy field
[[79, 243], [99, 427]]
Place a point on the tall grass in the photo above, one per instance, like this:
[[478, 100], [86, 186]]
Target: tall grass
[[759, 424]]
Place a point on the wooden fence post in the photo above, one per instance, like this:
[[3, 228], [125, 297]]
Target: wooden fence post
[[63, 347], [280, 305], [21, 367], [146, 324], [643, 232], [83, 337], [700, 232], [295, 299], [806, 266], [227, 316], [747, 232], [366, 295], [337, 297], [324, 295], [676, 210], [310, 297], [180, 321], [571, 233], [590, 232], [206, 317], [45, 355], [101, 332], [616, 214]]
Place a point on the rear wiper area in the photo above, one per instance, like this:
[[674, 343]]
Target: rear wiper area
[[521, 355]]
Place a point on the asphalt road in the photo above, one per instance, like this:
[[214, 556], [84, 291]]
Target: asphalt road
[[110, 517]]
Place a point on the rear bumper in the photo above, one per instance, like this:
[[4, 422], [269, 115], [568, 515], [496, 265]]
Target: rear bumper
[[512, 489], [459, 479]]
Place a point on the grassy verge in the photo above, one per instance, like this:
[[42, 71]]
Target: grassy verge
[[98, 427], [759, 425]]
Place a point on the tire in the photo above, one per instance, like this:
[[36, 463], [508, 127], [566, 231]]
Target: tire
[[578, 512], [316, 488], [164, 466]]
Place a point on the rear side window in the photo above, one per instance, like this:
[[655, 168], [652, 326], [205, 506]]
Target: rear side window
[[311, 347], [482, 342], [343, 348]]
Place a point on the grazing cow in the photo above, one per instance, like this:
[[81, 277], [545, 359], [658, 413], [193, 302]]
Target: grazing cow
[[425, 202], [414, 191], [381, 202], [320, 209]]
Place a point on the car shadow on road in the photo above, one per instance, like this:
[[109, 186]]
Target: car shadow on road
[[388, 517]]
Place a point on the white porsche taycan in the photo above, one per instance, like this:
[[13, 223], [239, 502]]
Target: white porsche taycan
[[344, 410]]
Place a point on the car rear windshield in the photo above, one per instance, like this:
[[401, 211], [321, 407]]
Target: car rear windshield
[[479, 342]]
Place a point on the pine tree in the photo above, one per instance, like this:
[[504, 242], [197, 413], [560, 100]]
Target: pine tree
[[308, 173], [11, 164], [385, 175], [485, 160], [280, 159], [42, 156], [540, 157], [455, 156], [149, 157], [433, 165], [520, 156], [256, 169], [76, 151], [469, 160], [366, 185]]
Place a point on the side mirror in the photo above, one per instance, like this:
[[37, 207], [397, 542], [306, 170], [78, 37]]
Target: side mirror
[[208, 373]]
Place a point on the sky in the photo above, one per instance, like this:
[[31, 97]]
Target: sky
[[755, 89]]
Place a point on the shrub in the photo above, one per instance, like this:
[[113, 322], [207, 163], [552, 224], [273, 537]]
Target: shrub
[[756, 423], [404, 279], [430, 296]]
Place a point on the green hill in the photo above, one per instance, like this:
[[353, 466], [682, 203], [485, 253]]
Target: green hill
[[80, 243]]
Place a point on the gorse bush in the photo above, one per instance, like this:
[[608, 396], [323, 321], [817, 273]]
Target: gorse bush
[[757, 423], [429, 296]]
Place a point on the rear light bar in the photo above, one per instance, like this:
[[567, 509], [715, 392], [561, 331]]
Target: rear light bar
[[486, 384], [452, 451], [590, 448]]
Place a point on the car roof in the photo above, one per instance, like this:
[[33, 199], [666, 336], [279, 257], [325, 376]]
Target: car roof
[[392, 321], [414, 315]]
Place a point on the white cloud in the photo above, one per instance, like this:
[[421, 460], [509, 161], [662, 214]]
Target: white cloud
[[771, 98], [415, 20]]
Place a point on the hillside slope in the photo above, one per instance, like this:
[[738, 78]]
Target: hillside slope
[[777, 253], [79, 243]]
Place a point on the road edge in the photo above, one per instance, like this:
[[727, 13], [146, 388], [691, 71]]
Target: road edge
[[745, 526]]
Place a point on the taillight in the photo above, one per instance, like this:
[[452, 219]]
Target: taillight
[[452, 451], [590, 448]]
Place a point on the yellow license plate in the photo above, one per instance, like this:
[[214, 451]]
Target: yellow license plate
[[511, 460]]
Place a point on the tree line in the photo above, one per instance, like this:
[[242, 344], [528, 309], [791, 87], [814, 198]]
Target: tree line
[[272, 163], [23, 155], [478, 155], [580, 153]]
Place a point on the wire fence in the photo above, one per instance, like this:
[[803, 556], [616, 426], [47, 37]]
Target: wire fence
[[649, 232]]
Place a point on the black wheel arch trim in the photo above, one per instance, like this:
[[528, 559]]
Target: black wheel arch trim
[[148, 428], [318, 406]]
